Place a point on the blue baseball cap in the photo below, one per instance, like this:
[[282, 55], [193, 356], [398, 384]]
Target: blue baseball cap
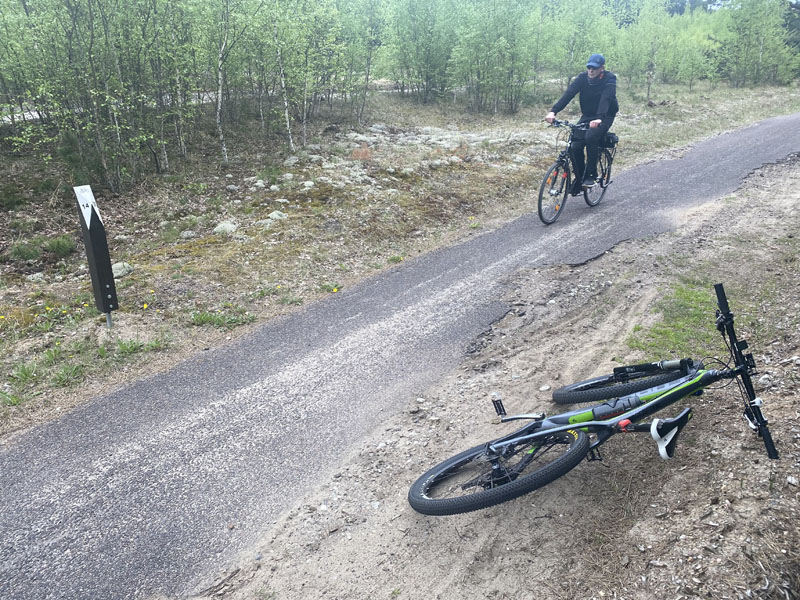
[[595, 60]]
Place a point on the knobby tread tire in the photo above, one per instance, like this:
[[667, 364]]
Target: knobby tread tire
[[602, 388], [419, 500]]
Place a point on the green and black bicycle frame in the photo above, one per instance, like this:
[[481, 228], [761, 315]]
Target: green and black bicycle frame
[[625, 414]]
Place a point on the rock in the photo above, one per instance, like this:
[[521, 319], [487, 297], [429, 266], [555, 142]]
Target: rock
[[287, 176], [291, 161], [274, 188], [121, 269], [764, 381], [792, 480], [260, 184], [188, 234], [308, 184], [277, 215], [232, 188], [226, 228], [544, 388], [228, 176], [35, 277]]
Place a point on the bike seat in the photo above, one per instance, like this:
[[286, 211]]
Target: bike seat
[[665, 432]]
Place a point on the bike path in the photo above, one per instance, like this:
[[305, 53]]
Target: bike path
[[155, 488]]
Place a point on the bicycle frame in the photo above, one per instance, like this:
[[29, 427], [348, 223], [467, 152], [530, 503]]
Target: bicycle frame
[[639, 406], [623, 414]]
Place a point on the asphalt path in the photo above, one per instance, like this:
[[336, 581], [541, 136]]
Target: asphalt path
[[155, 488]]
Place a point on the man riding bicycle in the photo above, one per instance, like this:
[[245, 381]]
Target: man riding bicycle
[[598, 99]]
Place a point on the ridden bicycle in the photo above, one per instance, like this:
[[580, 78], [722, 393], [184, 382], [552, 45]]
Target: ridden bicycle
[[548, 447], [557, 182]]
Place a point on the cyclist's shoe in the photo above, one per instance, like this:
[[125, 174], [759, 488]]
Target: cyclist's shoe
[[589, 182], [576, 188], [665, 432]]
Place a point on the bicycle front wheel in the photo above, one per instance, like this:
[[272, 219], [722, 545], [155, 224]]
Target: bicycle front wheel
[[553, 192], [606, 387], [479, 478], [593, 195]]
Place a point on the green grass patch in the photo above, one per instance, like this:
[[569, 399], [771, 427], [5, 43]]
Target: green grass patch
[[24, 374], [68, 375], [25, 251], [686, 328], [128, 347], [226, 318], [60, 247], [8, 399]]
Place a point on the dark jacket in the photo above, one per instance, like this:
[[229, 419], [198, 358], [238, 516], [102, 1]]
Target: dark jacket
[[598, 99]]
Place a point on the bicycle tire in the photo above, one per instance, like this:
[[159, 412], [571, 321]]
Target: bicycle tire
[[428, 494], [553, 192], [605, 387], [595, 194]]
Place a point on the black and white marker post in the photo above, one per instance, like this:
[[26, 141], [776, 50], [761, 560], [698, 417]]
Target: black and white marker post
[[94, 238]]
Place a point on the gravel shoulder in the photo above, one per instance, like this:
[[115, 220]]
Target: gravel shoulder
[[718, 521]]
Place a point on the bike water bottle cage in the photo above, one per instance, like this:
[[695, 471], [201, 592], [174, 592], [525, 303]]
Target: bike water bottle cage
[[665, 432]]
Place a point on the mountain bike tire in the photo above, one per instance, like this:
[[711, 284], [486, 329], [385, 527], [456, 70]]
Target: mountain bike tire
[[553, 192], [470, 481], [606, 388]]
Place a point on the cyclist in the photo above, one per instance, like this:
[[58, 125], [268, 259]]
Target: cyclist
[[598, 99]]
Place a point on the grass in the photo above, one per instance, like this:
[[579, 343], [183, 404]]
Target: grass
[[226, 318], [686, 323]]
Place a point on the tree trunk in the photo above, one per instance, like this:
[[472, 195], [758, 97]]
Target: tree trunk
[[220, 64], [283, 87]]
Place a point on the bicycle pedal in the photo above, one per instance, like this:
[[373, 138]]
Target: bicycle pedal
[[665, 432]]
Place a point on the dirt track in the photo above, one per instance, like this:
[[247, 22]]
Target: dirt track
[[718, 521]]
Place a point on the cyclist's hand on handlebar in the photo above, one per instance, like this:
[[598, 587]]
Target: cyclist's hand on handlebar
[[551, 116], [595, 123]]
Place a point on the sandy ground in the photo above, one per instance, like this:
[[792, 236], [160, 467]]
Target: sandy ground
[[717, 521]]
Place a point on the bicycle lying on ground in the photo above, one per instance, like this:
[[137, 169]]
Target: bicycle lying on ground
[[548, 447], [557, 182]]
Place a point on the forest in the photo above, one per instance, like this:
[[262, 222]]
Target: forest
[[114, 91]]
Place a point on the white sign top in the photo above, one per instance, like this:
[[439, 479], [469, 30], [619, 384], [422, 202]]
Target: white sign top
[[86, 201]]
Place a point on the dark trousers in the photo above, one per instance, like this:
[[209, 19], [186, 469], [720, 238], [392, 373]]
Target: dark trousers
[[591, 141]]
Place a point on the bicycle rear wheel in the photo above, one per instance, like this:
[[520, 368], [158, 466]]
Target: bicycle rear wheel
[[478, 479], [593, 195], [553, 192], [606, 387]]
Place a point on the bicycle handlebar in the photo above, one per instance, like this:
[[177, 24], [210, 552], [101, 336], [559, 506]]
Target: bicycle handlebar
[[722, 299], [579, 126]]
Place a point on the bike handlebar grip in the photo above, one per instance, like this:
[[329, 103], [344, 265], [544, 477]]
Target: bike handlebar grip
[[722, 300]]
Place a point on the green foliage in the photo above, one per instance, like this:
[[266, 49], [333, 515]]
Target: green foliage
[[60, 247], [114, 88], [25, 251], [69, 375]]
